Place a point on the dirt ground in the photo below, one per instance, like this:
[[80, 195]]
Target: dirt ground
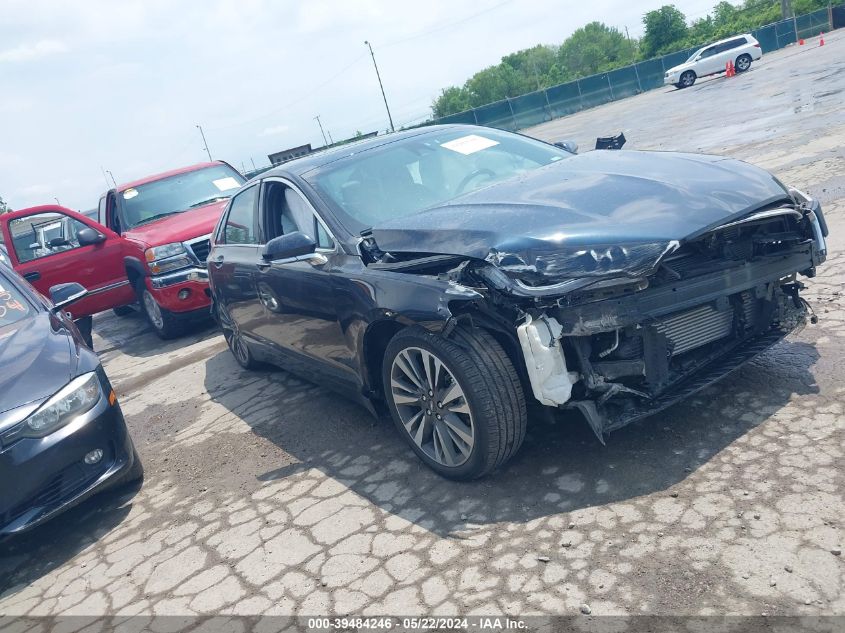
[[269, 495]]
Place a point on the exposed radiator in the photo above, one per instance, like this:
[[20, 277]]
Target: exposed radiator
[[694, 328]]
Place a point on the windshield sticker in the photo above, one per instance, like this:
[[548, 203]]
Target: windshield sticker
[[225, 184], [469, 144], [129, 194]]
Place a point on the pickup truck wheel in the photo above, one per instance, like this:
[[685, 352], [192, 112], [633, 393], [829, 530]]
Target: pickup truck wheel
[[743, 63], [687, 79], [164, 324], [457, 402]]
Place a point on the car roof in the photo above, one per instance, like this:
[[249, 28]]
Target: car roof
[[301, 166], [167, 174]]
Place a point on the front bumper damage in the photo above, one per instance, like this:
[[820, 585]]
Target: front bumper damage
[[632, 354], [623, 346]]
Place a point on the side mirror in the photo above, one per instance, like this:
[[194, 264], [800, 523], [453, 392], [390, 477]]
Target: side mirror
[[287, 246], [89, 237], [63, 295], [568, 145]]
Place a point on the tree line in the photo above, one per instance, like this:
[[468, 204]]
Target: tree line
[[597, 48]]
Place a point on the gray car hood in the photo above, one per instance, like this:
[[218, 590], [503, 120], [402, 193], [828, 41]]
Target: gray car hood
[[598, 198]]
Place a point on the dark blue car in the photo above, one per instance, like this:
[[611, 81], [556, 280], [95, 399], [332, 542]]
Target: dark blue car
[[62, 433]]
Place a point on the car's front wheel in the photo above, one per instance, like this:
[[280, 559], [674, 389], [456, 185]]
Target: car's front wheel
[[164, 324], [687, 79], [240, 350], [742, 63], [458, 402]]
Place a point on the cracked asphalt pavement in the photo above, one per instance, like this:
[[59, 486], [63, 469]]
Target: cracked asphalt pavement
[[266, 494]]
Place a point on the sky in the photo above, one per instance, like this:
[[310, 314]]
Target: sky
[[94, 85]]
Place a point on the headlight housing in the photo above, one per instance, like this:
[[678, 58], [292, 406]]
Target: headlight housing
[[603, 260], [167, 257], [79, 396]]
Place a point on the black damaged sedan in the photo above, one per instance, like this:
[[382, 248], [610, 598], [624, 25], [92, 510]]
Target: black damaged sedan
[[62, 433], [457, 275]]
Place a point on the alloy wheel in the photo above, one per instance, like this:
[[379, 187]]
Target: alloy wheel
[[743, 63], [432, 406]]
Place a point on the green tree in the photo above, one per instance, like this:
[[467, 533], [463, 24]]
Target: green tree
[[4, 208], [665, 31], [452, 100], [595, 48]]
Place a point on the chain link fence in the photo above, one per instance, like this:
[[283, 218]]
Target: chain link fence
[[544, 105]]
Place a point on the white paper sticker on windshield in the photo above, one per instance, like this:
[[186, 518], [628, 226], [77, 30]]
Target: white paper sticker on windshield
[[129, 194], [469, 144], [224, 184]]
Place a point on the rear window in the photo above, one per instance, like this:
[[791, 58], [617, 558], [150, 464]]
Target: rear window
[[13, 305]]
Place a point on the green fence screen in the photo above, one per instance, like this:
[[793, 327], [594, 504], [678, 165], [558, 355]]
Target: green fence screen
[[557, 101]]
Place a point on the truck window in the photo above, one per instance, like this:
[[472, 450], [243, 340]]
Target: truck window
[[43, 234]]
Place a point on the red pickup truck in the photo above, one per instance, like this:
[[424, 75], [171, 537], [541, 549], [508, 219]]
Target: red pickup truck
[[150, 245]]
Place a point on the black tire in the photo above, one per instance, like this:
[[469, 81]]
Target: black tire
[[687, 79], [164, 324], [742, 63], [491, 389], [237, 345], [123, 311]]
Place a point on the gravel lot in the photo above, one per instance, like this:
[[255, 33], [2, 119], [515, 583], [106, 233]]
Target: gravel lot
[[269, 495]]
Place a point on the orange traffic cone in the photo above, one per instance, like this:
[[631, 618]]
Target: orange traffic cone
[[801, 42], [821, 39]]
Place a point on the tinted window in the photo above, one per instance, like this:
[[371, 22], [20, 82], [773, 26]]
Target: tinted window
[[287, 211], [13, 305], [167, 196], [406, 176], [43, 234], [240, 223], [709, 52]]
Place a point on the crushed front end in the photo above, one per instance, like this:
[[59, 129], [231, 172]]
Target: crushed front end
[[622, 347]]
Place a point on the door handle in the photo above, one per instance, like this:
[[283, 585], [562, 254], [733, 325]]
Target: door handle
[[217, 262], [33, 276]]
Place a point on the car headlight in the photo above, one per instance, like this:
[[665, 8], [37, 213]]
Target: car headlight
[[604, 260], [167, 257], [77, 397], [165, 250]]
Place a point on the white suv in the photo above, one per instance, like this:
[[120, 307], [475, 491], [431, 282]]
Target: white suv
[[711, 60]]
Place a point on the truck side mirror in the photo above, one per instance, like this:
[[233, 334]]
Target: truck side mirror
[[89, 237]]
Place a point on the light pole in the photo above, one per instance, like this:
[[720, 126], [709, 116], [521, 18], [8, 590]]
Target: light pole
[[205, 143], [325, 140], [386, 107]]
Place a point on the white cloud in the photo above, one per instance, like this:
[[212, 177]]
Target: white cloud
[[275, 130], [29, 52]]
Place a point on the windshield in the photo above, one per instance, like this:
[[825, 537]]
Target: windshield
[[13, 305], [175, 194], [404, 177]]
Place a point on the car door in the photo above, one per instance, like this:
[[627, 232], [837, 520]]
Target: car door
[[708, 62], [232, 264], [44, 248], [300, 311]]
